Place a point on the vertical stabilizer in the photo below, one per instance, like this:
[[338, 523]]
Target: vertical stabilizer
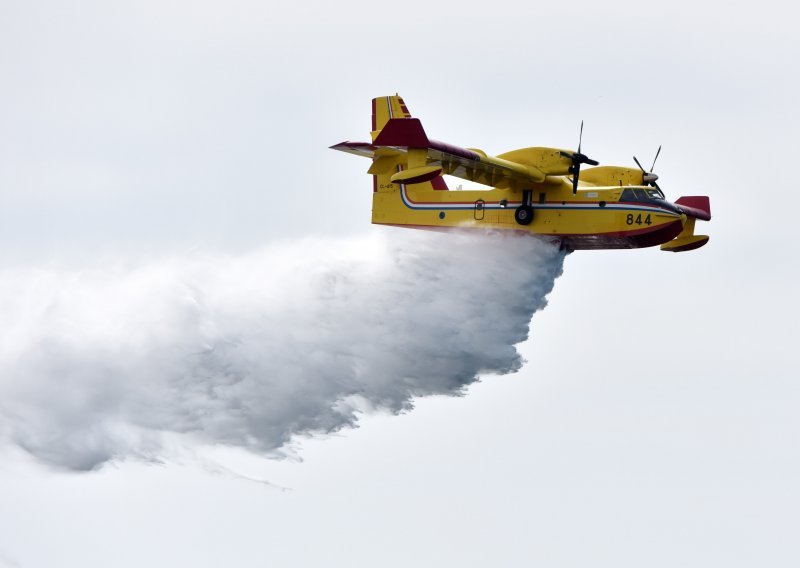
[[383, 110]]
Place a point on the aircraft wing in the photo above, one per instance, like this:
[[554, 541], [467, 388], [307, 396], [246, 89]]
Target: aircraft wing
[[403, 148]]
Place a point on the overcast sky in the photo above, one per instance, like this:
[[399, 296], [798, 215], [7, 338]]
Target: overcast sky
[[655, 422]]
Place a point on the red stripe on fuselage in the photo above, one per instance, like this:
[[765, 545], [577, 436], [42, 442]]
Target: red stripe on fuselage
[[637, 238]]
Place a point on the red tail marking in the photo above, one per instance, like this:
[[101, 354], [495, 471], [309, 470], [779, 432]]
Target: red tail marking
[[439, 184], [403, 132]]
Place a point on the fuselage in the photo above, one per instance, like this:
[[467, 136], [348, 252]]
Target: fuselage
[[593, 218]]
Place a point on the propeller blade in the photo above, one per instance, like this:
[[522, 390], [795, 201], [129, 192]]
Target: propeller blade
[[656, 158], [578, 159], [638, 164], [576, 174]]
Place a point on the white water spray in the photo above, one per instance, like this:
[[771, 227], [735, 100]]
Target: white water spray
[[255, 349]]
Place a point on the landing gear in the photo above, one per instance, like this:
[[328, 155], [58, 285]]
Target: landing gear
[[524, 213]]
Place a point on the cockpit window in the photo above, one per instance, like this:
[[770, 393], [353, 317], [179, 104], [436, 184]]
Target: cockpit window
[[633, 195], [641, 194]]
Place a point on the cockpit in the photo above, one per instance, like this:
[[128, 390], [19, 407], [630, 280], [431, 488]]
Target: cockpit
[[641, 194]]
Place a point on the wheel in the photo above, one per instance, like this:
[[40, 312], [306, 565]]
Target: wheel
[[523, 214]]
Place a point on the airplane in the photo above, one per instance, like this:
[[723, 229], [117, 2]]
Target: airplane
[[542, 191]]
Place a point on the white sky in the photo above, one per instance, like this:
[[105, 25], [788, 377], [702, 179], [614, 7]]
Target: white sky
[[656, 421]]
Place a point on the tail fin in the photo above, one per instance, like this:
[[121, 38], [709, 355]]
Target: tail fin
[[386, 108], [383, 110]]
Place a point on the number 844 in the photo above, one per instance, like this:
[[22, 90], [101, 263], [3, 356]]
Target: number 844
[[630, 219]]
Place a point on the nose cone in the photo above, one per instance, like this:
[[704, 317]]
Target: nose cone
[[697, 206]]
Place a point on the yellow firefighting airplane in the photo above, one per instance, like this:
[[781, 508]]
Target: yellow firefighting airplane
[[538, 190]]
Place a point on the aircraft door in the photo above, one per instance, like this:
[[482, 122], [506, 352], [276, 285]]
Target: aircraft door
[[480, 209]]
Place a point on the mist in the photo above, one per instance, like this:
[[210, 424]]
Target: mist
[[255, 350]]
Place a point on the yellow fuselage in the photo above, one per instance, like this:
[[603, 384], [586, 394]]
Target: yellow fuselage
[[595, 217]]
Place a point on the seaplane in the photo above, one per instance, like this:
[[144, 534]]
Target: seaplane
[[542, 191]]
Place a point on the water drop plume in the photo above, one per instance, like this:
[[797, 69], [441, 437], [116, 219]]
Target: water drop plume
[[253, 350]]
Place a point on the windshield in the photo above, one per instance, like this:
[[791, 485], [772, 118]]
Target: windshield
[[637, 194], [632, 195]]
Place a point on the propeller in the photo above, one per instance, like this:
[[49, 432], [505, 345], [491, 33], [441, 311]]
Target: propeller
[[649, 178], [577, 159]]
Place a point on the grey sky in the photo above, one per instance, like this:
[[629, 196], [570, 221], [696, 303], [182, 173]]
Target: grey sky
[[655, 423]]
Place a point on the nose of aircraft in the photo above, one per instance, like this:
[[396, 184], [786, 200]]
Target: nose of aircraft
[[697, 206]]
